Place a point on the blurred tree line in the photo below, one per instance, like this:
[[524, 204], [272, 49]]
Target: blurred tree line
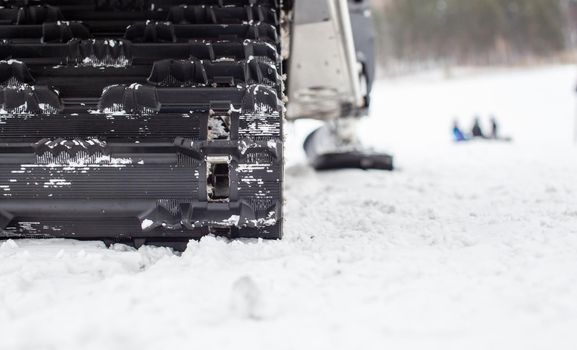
[[474, 31]]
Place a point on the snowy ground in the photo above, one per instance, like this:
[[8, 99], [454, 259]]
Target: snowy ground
[[465, 247]]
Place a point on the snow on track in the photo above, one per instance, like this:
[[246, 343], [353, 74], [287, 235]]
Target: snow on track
[[465, 247]]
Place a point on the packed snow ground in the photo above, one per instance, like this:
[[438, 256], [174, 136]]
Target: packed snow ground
[[469, 246]]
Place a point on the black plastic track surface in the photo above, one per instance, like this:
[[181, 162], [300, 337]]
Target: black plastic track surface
[[143, 122]]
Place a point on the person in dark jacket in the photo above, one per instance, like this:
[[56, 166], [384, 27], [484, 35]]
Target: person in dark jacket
[[494, 128], [477, 131]]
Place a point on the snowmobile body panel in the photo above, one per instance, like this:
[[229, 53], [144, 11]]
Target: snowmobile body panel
[[332, 70], [324, 81]]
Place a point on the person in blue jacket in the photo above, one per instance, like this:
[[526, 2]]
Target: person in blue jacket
[[458, 134]]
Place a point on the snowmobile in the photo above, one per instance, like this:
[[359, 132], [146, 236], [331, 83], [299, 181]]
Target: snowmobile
[[160, 121]]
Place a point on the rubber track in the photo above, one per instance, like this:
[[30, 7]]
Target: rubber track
[[119, 125]]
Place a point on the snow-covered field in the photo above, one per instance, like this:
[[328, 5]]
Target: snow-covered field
[[468, 246]]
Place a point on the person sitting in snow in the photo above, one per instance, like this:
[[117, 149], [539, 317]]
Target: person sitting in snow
[[477, 132], [458, 135]]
